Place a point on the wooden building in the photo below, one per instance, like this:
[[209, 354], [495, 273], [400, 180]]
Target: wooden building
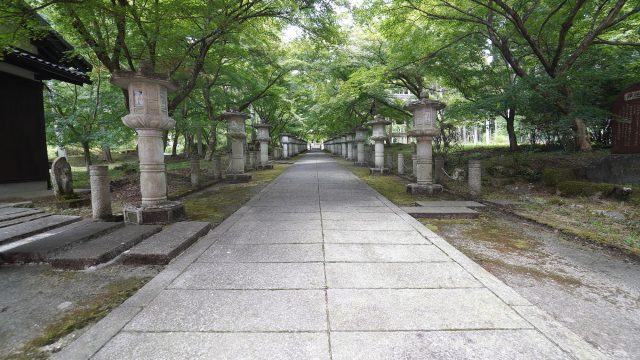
[[23, 148]]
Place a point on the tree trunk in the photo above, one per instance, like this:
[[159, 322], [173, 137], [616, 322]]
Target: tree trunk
[[106, 153], [87, 154], [513, 140], [212, 142], [174, 147], [582, 138]]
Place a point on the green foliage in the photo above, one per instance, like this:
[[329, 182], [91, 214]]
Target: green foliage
[[552, 177], [584, 188]]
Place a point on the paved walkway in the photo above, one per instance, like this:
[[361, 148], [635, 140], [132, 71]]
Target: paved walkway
[[320, 266]]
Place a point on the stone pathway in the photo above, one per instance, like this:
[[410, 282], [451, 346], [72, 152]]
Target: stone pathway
[[320, 266]]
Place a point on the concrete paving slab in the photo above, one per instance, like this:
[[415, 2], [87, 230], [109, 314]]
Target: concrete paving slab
[[164, 246], [270, 236], [441, 212], [19, 214], [233, 310], [420, 309], [258, 208], [347, 208], [398, 276], [255, 276], [102, 249], [252, 225], [283, 216], [451, 203], [359, 225], [216, 346], [23, 219], [263, 253], [21, 231], [43, 249], [383, 253], [368, 216], [12, 210], [443, 345], [374, 237]]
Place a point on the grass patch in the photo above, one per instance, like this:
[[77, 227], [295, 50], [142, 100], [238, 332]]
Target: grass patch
[[217, 204], [87, 313], [392, 187]]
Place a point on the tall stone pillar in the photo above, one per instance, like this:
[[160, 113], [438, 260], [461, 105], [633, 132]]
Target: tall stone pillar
[[400, 164], [149, 116], [264, 138], [343, 144], [284, 140], [475, 177], [237, 132], [360, 136], [100, 191], [424, 129], [378, 136]]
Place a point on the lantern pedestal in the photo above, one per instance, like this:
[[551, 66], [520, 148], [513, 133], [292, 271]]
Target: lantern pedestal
[[148, 115], [360, 135], [263, 138]]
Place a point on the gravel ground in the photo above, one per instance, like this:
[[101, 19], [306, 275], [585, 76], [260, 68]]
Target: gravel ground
[[34, 296], [593, 291]]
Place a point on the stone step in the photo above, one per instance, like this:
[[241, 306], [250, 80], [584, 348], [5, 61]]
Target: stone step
[[20, 214], [40, 250], [12, 210], [441, 212], [26, 229], [17, 204], [167, 244], [23, 219], [104, 248], [451, 203]]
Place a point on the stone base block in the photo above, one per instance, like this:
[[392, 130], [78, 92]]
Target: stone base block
[[379, 171], [422, 189], [237, 178], [165, 213], [265, 167]]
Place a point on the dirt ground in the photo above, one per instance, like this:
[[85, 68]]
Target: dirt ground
[[34, 297], [593, 291]]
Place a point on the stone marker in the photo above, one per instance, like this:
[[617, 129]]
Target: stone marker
[[149, 116], [625, 130], [100, 191], [216, 166], [424, 129], [195, 171], [400, 164], [62, 178], [475, 177], [378, 136]]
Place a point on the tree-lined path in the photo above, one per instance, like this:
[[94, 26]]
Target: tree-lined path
[[320, 266]]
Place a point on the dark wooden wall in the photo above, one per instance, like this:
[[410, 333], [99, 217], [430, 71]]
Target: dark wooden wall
[[23, 148]]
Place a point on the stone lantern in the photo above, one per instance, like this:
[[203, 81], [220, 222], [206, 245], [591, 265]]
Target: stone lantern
[[149, 116], [378, 125], [263, 138], [284, 140], [360, 136], [237, 132], [349, 140], [343, 141], [424, 129]]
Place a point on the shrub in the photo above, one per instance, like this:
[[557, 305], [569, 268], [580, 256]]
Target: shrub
[[552, 177], [584, 188]]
